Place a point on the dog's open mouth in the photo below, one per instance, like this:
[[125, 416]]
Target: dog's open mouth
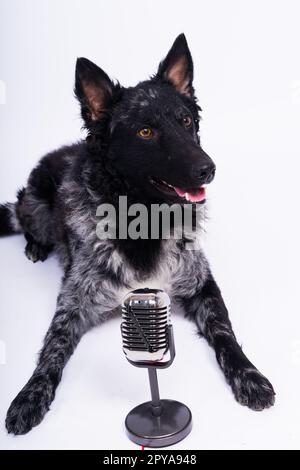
[[190, 194]]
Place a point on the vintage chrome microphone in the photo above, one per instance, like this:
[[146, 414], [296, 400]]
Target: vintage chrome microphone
[[148, 342]]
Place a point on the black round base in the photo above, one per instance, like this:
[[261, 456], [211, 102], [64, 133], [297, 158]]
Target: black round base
[[145, 429]]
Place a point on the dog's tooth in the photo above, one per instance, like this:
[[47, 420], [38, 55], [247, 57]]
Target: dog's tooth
[[187, 197]]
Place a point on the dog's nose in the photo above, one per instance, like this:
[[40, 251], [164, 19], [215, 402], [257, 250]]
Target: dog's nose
[[205, 174]]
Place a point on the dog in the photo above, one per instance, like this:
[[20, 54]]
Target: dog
[[142, 142]]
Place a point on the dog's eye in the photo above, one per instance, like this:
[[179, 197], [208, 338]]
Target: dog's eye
[[145, 133], [187, 121]]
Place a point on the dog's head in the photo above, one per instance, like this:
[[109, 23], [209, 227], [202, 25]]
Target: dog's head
[[151, 129]]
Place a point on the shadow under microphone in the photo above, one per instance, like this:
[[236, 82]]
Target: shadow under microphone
[[148, 342]]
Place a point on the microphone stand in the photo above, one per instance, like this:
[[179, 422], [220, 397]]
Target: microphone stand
[[156, 403], [158, 423]]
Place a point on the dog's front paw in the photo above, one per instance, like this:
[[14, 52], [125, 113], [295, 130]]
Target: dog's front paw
[[37, 252], [28, 408], [252, 389]]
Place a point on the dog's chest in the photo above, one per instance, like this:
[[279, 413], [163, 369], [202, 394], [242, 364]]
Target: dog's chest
[[176, 270], [159, 280], [160, 276]]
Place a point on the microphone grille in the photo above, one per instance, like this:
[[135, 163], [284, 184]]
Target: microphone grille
[[146, 316]]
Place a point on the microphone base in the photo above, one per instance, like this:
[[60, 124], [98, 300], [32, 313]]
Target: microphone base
[[146, 429]]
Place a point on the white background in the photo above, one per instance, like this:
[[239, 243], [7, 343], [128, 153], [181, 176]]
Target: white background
[[247, 74]]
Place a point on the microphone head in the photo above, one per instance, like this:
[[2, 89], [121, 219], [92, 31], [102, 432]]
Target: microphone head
[[145, 324]]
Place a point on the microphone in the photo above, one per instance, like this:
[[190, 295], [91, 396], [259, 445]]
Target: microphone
[[148, 342]]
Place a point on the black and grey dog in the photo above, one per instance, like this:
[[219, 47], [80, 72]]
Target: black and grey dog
[[141, 142]]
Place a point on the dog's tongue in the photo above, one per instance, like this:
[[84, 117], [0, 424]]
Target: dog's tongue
[[193, 195]]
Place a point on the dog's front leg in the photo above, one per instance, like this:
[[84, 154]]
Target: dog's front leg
[[206, 307], [71, 320]]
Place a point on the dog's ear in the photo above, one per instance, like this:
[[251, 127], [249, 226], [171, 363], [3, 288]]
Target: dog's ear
[[93, 88], [177, 67]]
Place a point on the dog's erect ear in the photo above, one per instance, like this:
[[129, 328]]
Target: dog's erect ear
[[93, 89], [177, 67]]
